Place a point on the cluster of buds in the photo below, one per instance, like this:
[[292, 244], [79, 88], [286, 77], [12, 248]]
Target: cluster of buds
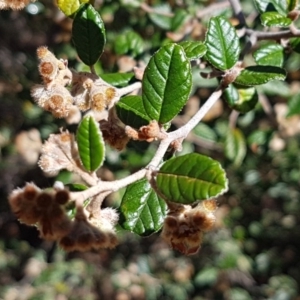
[[34, 206], [59, 152], [14, 4], [87, 90], [46, 210], [113, 131], [184, 225], [153, 131], [89, 233]]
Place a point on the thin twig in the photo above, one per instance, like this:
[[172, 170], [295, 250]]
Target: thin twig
[[112, 186], [211, 9]]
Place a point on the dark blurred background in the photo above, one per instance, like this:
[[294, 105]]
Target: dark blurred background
[[254, 251]]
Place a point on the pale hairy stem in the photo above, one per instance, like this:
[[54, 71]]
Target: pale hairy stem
[[129, 89], [112, 186], [262, 35]]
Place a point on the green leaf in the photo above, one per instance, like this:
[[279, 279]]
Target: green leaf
[[223, 47], [295, 44], [193, 50], [235, 146], [131, 111], [69, 7], [269, 55], [291, 4], [118, 79], [180, 16], [161, 20], [142, 211], [272, 18], [190, 178], [88, 34], [76, 187], [242, 100], [129, 42], [294, 106], [167, 83], [272, 5], [256, 75], [206, 132], [90, 144]]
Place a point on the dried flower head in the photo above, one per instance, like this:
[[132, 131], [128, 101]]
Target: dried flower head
[[114, 134], [58, 152], [149, 133], [183, 228], [14, 4]]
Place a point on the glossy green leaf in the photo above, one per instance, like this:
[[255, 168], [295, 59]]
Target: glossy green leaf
[[223, 47], [88, 34], [190, 178], [272, 18], [235, 146], [76, 187], [242, 100], [90, 144], [118, 79], [193, 50], [167, 83], [272, 5], [141, 210], [294, 106], [256, 75], [269, 55], [131, 111], [129, 42]]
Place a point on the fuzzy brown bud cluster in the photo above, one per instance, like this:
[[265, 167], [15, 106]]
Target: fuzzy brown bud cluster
[[14, 4], [34, 206], [184, 226], [87, 90], [88, 233], [149, 133], [46, 210]]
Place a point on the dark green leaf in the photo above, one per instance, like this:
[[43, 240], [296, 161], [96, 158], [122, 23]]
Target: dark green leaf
[[272, 5], [129, 42], [193, 50], [76, 187], [118, 79], [235, 146], [179, 17], [190, 178], [294, 106], [223, 47], [258, 138], [131, 111], [269, 55], [88, 34], [295, 44], [242, 100], [272, 18], [292, 4], [256, 75], [166, 83], [90, 144], [142, 211]]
